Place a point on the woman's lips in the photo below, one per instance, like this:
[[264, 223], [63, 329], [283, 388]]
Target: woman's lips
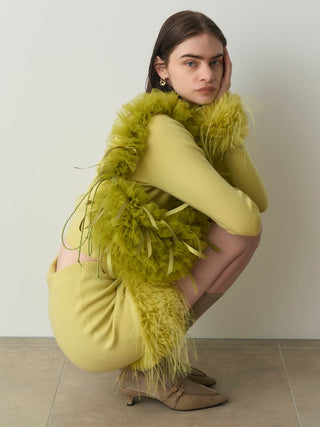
[[207, 89]]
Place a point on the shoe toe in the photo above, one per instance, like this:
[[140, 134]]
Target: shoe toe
[[197, 396]]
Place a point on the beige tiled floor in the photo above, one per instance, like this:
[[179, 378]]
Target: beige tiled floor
[[270, 383]]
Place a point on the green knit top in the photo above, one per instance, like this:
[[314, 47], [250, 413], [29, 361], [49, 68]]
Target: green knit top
[[168, 170]]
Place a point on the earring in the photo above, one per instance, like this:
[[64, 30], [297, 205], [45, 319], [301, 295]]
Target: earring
[[162, 82]]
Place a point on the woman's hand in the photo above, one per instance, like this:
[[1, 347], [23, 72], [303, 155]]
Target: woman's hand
[[226, 79]]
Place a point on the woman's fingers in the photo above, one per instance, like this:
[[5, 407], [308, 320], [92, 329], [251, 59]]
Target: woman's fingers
[[226, 79], [227, 68]]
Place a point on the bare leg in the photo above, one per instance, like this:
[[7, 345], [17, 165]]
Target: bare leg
[[68, 257], [218, 272]]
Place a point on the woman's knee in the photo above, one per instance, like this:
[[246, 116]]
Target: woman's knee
[[250, 243], [236, 243], [256, 239]]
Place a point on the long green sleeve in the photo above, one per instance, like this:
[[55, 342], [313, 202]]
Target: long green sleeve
[[175, 164], [245, 176]]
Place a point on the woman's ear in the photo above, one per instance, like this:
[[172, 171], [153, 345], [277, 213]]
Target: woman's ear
[[160, 67]]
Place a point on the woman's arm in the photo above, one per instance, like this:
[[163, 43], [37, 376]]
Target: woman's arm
[[245, 176], [237, 160], [174, 163]]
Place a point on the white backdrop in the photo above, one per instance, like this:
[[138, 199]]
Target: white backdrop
[[66, 68]]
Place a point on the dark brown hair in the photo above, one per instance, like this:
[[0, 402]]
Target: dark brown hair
[[174, 31]]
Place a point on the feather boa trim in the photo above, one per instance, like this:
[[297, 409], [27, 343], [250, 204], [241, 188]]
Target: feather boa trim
[[150, 248]]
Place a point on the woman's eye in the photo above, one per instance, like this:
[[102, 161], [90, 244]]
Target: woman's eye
[[217, 62], [190, 63]]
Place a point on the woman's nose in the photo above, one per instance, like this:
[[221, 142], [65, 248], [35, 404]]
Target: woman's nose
[[206, 73]]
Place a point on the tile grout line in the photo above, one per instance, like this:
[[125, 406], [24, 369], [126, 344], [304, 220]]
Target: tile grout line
[[289, 385], [55, 395]]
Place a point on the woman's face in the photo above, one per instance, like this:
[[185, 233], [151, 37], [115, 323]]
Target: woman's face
[[195, 68]]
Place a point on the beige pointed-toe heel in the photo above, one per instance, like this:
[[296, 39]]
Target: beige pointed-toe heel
[[182, 395]]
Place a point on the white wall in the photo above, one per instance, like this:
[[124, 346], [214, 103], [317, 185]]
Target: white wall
[[66, 68]]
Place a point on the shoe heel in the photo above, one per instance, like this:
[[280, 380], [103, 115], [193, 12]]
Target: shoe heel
[[130, 397], [130, 400]]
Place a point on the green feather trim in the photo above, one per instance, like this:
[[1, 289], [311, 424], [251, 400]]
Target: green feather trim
[[223, 127], [164, 318], [123, 219]]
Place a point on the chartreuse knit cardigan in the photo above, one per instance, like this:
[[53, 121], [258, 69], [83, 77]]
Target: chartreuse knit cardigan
[[168, 170]]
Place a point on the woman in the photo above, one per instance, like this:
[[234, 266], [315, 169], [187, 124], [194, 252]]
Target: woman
[[168, 224]]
